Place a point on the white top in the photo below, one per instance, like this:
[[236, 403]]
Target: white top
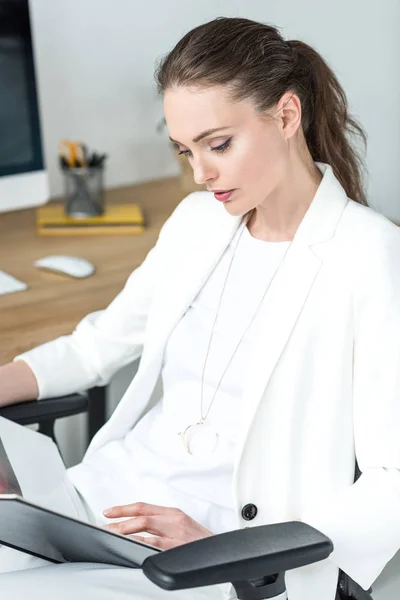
[[151, 464]]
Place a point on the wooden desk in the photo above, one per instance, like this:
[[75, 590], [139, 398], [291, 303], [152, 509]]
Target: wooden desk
[[54, 304]]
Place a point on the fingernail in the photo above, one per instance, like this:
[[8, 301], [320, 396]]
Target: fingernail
[[107, 512]]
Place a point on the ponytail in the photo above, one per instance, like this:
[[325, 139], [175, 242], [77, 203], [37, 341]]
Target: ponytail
[[326, 122]]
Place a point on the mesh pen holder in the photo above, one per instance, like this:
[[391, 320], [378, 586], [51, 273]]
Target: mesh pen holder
[[84, 192]]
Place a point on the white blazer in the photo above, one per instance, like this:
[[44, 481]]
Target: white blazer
[[323, 385]]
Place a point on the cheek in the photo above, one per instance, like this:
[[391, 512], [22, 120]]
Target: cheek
[[260, 164]]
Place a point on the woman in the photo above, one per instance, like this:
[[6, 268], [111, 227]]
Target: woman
[[267, 322]]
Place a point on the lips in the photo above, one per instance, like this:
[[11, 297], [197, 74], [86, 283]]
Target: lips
[[223, 196]]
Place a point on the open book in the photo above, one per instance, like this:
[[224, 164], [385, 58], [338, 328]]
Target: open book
[[42, 514]]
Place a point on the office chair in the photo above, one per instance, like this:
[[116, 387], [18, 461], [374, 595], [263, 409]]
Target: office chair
[[253, 559], [45, 412]]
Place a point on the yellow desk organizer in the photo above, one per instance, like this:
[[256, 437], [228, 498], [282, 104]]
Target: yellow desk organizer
[[118, 219]]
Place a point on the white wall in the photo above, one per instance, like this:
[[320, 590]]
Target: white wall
[[95, 60]]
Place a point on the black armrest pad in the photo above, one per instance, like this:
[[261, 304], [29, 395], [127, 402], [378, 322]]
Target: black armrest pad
[[239, 555], [35, 411]]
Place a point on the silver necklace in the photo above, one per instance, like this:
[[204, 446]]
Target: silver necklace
[[207, 442]]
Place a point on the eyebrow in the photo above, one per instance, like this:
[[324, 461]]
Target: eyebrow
[[204, 134]]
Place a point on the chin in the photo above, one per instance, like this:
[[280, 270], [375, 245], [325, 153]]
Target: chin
[[235, 210]]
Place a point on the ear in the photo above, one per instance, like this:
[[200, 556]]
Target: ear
[[289, 114]]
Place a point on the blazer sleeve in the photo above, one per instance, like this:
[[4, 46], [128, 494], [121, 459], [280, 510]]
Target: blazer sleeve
[[363, 520], [106, 340]]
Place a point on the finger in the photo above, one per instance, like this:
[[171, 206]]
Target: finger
[[137, 509], [152, 525]]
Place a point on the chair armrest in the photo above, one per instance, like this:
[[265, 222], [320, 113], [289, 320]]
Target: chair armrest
[[36, 411], [238, 556]]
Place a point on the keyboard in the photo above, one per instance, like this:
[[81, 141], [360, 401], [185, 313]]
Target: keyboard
[[9, 284]]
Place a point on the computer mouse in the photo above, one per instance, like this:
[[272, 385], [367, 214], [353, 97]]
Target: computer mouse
[[66, 265]]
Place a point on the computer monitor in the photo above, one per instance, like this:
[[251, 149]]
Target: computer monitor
[[23, 178]]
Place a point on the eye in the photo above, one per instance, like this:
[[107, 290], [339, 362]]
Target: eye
[[222, 148]]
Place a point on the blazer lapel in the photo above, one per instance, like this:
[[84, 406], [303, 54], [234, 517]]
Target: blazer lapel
[[288, 293], [190, 274], [282, 306]]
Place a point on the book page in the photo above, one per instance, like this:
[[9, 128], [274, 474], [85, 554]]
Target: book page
[[8, 479]]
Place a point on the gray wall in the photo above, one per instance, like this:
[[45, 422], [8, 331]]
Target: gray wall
[[95, 60]]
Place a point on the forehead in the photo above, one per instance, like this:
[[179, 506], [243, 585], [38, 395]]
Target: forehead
[[189, 111]]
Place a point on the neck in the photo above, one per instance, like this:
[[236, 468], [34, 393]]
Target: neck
[[277, 218]]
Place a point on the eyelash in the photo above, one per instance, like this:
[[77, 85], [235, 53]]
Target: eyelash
[[220, 149]]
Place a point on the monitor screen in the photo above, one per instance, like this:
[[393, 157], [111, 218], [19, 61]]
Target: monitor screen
[[20, 141]]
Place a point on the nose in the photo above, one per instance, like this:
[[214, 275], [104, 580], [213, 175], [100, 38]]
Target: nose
[[203, 171]]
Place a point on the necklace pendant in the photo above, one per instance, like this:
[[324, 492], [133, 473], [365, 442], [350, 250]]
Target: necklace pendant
[[199, 439]]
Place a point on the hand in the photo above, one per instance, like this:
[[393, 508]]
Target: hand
[[171, 527]]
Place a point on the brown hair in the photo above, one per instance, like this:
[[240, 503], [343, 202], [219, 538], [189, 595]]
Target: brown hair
[[256, 63]]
